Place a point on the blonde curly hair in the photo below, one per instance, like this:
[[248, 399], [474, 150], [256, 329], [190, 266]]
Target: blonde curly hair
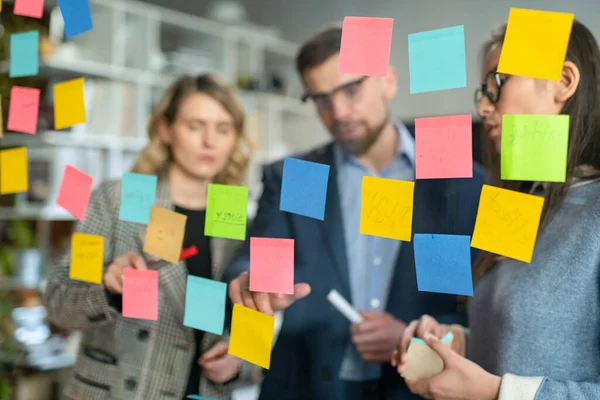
[[156, 156]]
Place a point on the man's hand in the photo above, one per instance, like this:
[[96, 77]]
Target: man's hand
[[218, 365], [266, 303], [376, 338]]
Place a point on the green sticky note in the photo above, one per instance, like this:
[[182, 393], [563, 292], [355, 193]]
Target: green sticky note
[[534, 147], [226, 210]]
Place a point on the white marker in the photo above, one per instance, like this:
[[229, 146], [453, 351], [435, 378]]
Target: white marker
[[342, 305]]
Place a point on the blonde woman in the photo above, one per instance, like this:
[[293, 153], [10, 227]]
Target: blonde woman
[[196, 138]]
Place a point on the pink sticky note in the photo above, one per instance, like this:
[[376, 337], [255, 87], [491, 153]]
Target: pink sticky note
[[272, 265], [23, 109], [444, 147], [29, 8], [140, 294], [75, 191], [366, 45]]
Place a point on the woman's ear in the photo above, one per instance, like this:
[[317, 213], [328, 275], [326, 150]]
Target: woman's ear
[[569, 81], [163, 131]]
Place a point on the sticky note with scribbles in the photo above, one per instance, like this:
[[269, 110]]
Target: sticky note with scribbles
[[387, 208], [164, 236], [138, 195], [226, 211], [304, 188], [87, 257], [534, 147], [507, 222], [23, 109]]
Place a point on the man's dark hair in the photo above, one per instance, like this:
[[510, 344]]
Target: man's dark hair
[[319, 48]]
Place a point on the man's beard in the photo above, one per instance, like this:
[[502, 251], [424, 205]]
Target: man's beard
[[361, 145]]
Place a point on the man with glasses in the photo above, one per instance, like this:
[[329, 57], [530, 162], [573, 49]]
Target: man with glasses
[[319, 354]]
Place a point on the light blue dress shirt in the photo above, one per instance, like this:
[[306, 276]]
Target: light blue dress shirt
[[371, 259]]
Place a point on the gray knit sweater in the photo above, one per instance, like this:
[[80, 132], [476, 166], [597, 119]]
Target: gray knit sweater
[[543, 319]]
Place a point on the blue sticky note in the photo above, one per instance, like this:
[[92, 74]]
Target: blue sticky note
[[77, 16], [205, 304], [304, 188], [436, 60], [138, 195], [24, 54], [448, 337], [443, 263]]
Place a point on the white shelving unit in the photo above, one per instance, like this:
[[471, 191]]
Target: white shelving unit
[[123, 60]]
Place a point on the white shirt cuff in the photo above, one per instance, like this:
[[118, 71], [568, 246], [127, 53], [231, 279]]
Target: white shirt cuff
[[515, 387]]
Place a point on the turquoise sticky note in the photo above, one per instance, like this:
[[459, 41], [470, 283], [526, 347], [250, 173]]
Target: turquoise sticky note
[[447, 338], [436, 60], [443, 263], [304, 188], [196, 397], [24, 54], [205, 304], [138, 195]]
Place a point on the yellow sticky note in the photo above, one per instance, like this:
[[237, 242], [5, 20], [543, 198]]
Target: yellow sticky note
[[251, 336], [164, 236], [507, 222], [69, 104], [87, 257], [13, 170], [387, 208], [536, 43]]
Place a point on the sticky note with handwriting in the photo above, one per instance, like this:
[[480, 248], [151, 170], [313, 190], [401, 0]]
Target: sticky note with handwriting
[[23, 109], [251, 336], [226, 211], [140, 294], [365, 46], [387, 208], [87, 257], [14, 170], [24, 54], [507, 222], [534, 147], [272, 265], [205, 301], [536, 43], [443, 263], [138, 195], [77, 16], [437, 60], [29, 8], [164, 235], [304, 188], [75, 191], [422, 361], [444, 147], [69, 104]]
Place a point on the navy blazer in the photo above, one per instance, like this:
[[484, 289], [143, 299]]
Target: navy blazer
[[306, 359]]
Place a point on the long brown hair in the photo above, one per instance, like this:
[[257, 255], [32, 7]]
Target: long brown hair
[[584, 131], [156, 156]]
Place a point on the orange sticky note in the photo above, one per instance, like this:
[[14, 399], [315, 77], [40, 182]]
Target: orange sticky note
[[140, 294], [29, 8], [87, 257], [251, 336], [164, 236], [366, 45], [272, 265], [444, 147], [536, 43], [23, 109], [387, 208], [14, 171], [75, 191], [507, 222]]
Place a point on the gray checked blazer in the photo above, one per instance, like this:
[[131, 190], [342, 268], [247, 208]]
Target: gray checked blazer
[[122, 358]]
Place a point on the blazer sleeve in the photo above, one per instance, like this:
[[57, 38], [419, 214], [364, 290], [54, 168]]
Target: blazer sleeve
[[73, 304], [270, 221]]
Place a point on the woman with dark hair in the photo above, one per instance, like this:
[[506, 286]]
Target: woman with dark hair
[[534, 328]]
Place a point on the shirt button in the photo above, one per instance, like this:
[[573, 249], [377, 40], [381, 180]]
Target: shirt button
[[377, 260], [375, 303]]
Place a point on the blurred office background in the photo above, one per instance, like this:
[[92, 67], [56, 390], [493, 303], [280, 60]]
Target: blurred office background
[[133, 53]]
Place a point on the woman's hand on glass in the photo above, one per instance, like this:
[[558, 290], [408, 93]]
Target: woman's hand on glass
[[218, 365], [113, 277]]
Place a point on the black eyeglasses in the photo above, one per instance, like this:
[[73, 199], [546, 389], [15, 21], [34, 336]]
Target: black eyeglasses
[[491, 87], [349, 91]]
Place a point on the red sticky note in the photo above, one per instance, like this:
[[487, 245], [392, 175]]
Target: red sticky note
[[188, 252], [29, 8], [140, 294], [272, 265], [75, 191], [366, 45], [444, 147], [23, 109]]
